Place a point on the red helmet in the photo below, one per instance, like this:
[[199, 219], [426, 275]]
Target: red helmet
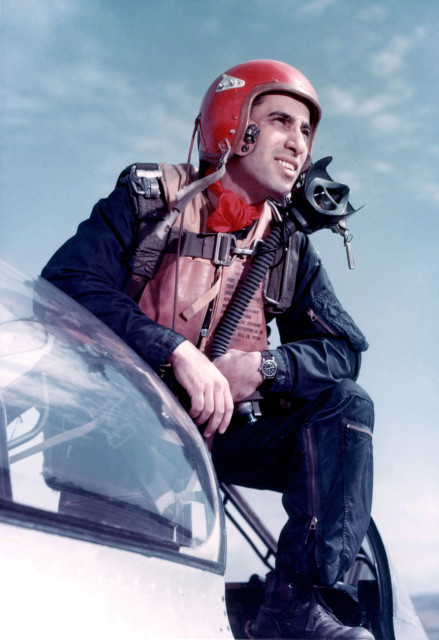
[[225, 109]]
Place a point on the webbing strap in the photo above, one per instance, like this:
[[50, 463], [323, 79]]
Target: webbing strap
[[203, 300], [221, 248], [194, 245]]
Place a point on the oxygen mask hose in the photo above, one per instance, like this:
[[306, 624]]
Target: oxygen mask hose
[[245, 292]]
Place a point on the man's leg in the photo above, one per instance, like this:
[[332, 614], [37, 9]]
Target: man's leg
[[320, 458]]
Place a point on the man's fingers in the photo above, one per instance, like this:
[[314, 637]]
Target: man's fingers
[[220, 419], [228, 411], [202, 405], [208, 388], [214, 406]]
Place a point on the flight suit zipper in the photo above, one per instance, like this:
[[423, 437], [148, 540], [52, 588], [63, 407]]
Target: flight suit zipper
[[310, 447]]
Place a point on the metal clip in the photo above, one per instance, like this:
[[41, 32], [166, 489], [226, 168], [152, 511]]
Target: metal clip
[[341, 228], [223, 249], [245, 251], [145, 183], [226, 249], [349, 252]]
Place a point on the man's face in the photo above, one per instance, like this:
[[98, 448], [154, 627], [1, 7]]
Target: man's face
[[275, 163]]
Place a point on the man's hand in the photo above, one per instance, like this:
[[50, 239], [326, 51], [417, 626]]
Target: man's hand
[[242, 370], [208, 389]]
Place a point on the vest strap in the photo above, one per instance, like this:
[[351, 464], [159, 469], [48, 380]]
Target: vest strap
[[203, 300], [220, 248]]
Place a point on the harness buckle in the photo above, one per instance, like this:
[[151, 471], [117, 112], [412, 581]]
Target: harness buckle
[[225, 243], [226, 249]]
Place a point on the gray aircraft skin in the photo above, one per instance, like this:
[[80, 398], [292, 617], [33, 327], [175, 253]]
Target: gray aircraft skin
[[111, 518]]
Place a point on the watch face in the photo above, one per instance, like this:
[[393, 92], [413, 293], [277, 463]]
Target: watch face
[[269, 368]]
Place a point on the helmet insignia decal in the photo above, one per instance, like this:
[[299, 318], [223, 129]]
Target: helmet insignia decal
[[229, 82]]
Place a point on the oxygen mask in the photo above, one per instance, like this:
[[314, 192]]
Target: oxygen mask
[[318, 202]]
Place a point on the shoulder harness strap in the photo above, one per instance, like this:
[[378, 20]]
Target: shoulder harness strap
[[146, 193], [143, 181]]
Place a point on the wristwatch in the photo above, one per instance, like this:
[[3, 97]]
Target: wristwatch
[[268, 369]]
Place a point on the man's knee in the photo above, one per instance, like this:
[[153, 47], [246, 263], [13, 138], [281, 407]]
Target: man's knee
[[353, 402]]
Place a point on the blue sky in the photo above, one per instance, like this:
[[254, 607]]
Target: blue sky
[[90, 86]]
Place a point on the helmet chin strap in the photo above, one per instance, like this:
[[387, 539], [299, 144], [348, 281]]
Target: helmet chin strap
[[188, 192]]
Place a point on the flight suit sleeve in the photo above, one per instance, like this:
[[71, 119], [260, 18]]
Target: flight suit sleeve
[[320, 342], [94, 267]]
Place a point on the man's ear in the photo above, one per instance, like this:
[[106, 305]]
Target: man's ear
[[251, 135]]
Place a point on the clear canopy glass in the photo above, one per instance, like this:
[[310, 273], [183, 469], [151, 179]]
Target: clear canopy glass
[[89, 432]]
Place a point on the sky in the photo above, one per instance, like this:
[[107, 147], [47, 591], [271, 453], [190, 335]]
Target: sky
[[91, 86]]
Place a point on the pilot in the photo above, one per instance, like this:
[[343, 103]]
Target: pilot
[[165, 261]]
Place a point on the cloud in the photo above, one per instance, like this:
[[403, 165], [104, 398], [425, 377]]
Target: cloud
[[384, 168], [362, 102], [83, 97], [429, 192], [432, 149], [36, 17], [372, 13], [413, 544], [315, 7], [384, 92], [383, 112], [375, 108], [392, 58], [298, 8], [76, 85]]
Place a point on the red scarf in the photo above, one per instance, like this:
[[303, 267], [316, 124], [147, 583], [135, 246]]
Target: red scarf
[[231, 213]]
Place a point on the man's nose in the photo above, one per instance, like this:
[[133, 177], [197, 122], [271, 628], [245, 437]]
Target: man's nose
[[296, 141]]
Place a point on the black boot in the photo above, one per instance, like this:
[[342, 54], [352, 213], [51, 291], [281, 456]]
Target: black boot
[[293, 610]]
